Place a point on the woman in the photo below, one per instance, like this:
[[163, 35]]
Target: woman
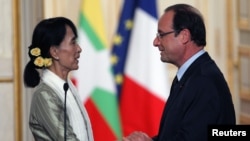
[[54, 51]]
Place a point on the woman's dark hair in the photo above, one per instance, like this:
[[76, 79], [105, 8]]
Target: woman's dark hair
[[187, 17], [47, 33]]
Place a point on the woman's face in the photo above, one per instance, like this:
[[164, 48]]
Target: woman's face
[[69, 51]]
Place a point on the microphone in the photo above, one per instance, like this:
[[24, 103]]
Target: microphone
[[65, 87]]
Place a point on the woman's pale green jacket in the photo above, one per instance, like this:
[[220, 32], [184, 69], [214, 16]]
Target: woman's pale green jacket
[[47, 117]]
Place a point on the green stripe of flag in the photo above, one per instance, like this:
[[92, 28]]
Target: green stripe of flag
[[104, 100], [89, 31]]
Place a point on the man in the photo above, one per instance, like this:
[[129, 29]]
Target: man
[[199, 94]]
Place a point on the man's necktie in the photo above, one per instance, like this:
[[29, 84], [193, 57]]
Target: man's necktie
[[174, 84]]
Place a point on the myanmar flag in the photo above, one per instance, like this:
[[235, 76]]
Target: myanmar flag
[[140, 75], [94, 78]]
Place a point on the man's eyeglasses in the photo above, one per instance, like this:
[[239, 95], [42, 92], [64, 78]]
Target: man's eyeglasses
[[160, 35]]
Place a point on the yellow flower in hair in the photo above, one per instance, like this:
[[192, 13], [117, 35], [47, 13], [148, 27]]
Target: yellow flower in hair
[[35, 51], [47, 62], [39, 61]]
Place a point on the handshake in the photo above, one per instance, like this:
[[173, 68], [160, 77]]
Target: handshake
[[137, 136]]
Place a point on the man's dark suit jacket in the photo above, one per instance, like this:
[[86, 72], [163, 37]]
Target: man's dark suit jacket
[[199, 99]]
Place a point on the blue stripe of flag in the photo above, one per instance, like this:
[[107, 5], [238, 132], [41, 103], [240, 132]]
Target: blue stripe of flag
[[120, 50]]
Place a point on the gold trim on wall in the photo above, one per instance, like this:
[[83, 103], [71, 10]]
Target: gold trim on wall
[[6, 80], [230, 62], [16, 71], [243, 14]]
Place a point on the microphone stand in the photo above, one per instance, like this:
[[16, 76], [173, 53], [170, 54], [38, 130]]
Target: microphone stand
[[65, 87]]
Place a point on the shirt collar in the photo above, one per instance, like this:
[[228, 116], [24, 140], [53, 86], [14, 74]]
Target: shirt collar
[[185, 66]]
